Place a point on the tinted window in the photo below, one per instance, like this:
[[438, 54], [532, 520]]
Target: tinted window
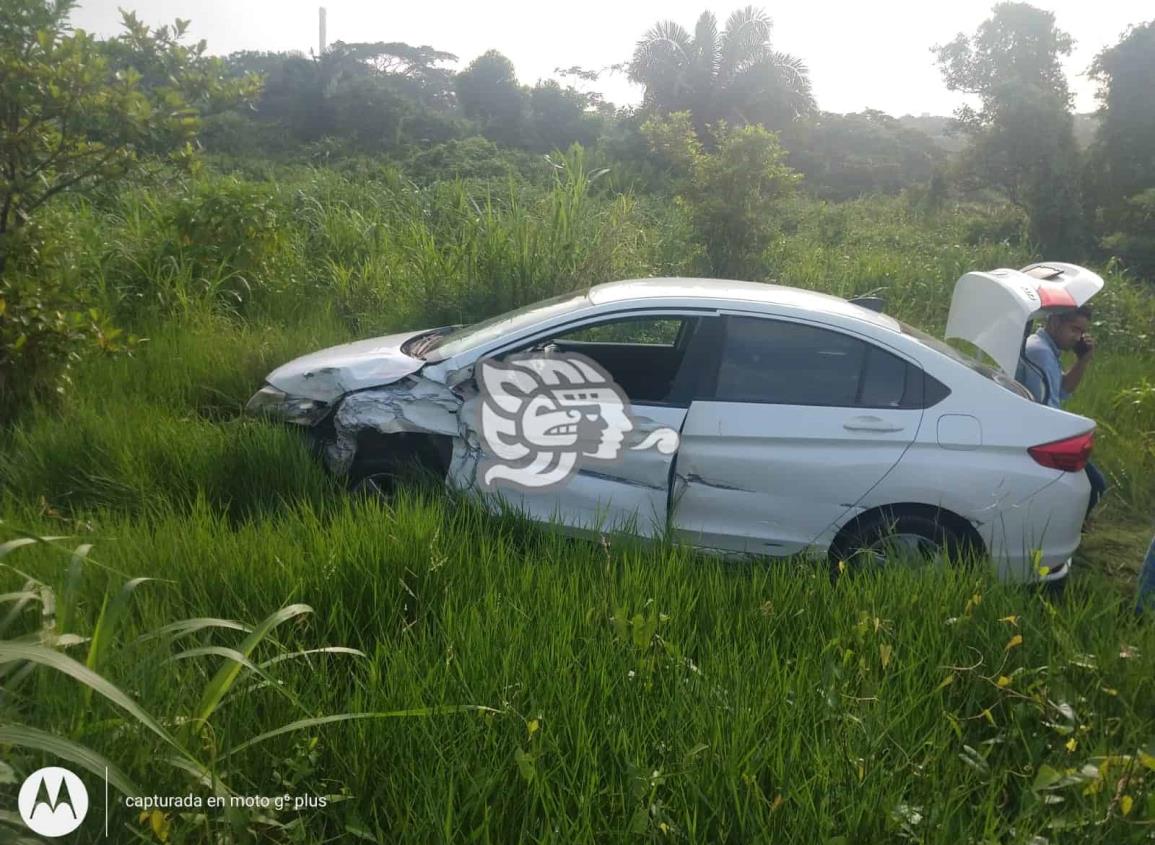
[[884, 381], [642, 355], [788, 364], [934, 391]]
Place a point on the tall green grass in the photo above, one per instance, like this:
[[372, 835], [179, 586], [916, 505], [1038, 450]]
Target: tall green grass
[[375, 254], [635, 691]]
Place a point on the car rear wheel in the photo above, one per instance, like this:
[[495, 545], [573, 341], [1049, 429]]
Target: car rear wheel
[[902, 538]]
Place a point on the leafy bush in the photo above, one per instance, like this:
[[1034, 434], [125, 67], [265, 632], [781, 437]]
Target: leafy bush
[[189, 246], [1005, 224], [225, 227], [473, 158], [43, 332], [1132, 238], [729, 191]]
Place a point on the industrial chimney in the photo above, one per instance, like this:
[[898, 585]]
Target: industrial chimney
[[321, 30]]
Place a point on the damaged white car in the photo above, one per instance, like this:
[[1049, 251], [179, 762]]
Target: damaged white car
[[741, 417]]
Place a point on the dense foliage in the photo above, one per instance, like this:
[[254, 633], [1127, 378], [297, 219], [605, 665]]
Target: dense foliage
[[1023, 139], [1121, 176], [78, 115], [852, 155]]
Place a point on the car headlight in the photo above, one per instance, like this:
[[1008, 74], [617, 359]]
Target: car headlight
[[278, 405]]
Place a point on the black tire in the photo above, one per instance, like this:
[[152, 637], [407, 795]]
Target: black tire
[[383, 463], [369, 480], [891, 536]]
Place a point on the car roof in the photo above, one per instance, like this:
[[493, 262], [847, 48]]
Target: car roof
[[678, 287]]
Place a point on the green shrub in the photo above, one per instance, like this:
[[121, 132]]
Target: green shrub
[[44, 331], [1132, 238], [730, 191]]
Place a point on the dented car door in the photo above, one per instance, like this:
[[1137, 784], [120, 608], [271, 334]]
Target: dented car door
[[799, 423], [655, 376]]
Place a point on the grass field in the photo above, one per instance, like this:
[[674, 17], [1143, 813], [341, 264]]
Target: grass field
[[491, 680]]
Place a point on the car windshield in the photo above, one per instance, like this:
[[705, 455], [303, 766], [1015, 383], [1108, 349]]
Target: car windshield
[[994, 374], [448, 345]]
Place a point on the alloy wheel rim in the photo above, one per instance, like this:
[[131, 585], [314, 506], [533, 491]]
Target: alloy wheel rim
[[907, 548]]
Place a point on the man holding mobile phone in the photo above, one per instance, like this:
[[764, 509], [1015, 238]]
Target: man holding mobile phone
[[1063, 331]]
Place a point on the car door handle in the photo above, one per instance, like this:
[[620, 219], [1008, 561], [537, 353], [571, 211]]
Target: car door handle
[[870, 424]]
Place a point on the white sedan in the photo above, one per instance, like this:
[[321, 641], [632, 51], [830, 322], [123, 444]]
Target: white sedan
[[736, 416]]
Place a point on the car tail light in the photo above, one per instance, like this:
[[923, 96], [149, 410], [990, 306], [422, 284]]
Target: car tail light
[[1070, 454]]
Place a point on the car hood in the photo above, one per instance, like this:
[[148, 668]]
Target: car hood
[[330, 373], [992, 310]]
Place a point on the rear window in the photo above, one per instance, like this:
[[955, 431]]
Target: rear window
[[994, 374]]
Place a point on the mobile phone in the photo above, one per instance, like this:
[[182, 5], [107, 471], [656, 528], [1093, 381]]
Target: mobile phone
[[1081, 347]]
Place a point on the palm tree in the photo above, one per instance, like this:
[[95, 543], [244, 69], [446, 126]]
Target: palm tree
[[735, 76]]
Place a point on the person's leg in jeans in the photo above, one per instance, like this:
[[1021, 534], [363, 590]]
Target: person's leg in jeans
[[1098, 486], [1146, 599]]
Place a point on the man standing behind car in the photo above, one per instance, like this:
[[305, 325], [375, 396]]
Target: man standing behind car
[[1063, 331]]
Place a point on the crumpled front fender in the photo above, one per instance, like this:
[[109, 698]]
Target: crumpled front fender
[[414, 404]]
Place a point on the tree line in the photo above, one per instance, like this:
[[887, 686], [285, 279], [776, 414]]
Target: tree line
[[104, 106]]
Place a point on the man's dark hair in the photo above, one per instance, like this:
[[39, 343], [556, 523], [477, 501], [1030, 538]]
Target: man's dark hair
[[1081, 311]]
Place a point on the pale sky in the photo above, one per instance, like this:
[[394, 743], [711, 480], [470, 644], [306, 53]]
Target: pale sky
[[860, 54]]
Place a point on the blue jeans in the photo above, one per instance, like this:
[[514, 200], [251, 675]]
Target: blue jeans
[[1147, 581]]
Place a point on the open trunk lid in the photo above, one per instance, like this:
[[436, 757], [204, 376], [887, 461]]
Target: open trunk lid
[[992, 309]]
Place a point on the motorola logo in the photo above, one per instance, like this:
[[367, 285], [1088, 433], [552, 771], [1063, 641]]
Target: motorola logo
[[53, 801]]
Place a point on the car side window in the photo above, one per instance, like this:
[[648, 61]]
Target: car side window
[[884, 380], [644, 355], [782, 363], [891, 382]]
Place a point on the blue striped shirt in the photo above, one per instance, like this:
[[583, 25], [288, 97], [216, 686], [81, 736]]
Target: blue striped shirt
[[1045, 380]]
